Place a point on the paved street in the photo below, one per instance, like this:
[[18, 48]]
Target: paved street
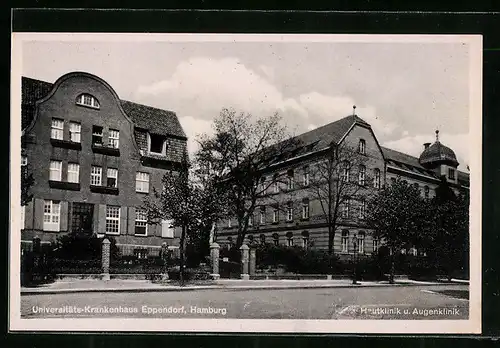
[[404, 302]]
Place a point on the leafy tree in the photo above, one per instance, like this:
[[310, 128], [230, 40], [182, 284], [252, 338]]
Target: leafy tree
[[396, 214], [335, 181], [27, 182], [241, 148]]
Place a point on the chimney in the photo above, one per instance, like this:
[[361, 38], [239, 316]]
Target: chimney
[[426, 145]]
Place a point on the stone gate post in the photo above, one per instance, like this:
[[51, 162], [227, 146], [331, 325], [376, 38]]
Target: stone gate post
[[105, 258], [244, 262], [214, 260], [252, 260]]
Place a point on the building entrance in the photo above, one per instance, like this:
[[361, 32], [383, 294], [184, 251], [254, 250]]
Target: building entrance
[[82, 218]]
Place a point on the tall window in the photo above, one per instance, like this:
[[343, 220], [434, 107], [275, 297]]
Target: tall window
[[276, 215], [276, 184], [97, 136], [345, 208], [263, 185], [345, 172], [167, 229], [345, 241], [361, 243], [96, 176], [262, 238], [88, 100], [114, 138], [451, 173], [262, 215], [112, 177], [57, 129], [141, 222], [426, 191], [55, 170], [276, 239], [112, 219], [289, 239], [362, 209], [75, 130], [361, 175], [157, 144], [376, 178], [51, 215], [250, 220], [289, 211], [375, 244], [362, 146], [229, 222], [305, 209], [73, 172], [305, 239], [305, 178], [142, 182], [290, 180]]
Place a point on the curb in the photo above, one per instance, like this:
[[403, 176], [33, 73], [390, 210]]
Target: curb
[[219, 287]]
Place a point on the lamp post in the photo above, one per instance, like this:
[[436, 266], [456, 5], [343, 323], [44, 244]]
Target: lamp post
[[355, 244]]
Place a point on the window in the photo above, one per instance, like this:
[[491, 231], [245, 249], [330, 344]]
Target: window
[[250, 220], [24, 161], [305, 209], [114, 138], [276, 184], [305, 239], [262, 238], [73, 172], [75, 130], [276, 216], [305, 178], [426, 191], [345, 172], [362, 209], [157, 144], [451, 173], [51, 215], [112, 219], [262, 215], [96, 176], [375, 244], [276, 239], [97, 136], [112, 177], [167, 229], [55, 170], [88, 100], [361, 243], [345, 208], [289, 180], [142, 182], [229, 222], [289, 239], [141, 222], [263, 185], [376, 178], [289, 211], [361, 175], [57, 129], [362, 146], [345, 241]]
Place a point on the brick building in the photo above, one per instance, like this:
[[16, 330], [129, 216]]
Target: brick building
[[94, 158], [290, 214]]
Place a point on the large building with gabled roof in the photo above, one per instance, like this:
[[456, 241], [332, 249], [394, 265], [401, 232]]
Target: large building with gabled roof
[[94, 159]]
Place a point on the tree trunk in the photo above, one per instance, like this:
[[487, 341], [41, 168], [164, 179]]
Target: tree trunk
[[331, 237], [392, 271], [181, 252]]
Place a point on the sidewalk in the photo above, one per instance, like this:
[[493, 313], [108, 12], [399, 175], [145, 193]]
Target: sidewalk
[[119, 285]]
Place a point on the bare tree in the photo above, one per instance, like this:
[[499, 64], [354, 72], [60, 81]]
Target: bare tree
[[339, 178], [240, 150]]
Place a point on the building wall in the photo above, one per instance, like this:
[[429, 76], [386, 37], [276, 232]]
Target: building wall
[[40, 151]]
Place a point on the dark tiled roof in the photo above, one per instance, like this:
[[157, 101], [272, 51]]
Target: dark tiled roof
[[396, 156], [463, 178], [146, 117]]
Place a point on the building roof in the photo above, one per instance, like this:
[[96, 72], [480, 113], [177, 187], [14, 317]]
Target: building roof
[[438, 153], [152, 119]]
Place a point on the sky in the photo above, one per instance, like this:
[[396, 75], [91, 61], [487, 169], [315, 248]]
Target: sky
[[405, 90]]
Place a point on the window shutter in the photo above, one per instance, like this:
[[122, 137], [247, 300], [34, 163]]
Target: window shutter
[[123, 220], [131, 220], [28, 216], [63, 216], [101, 225], [38, 214]]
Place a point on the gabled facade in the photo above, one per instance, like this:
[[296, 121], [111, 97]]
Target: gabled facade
[[290, 214], [94, 159]]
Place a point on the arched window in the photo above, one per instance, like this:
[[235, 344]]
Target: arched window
[[289, 239], [345, 241], [276, 239], [88, 100], [376, 178], [361, 175], [305, 239], [361, 242], [362, 147]]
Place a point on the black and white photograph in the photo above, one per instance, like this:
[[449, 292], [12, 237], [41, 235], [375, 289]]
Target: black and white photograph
[[246, 183]]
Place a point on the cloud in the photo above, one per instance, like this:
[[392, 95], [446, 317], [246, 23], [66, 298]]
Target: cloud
[[195, 127], [413, 145]]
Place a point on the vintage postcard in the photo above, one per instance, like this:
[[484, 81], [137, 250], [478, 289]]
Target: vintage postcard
[[246, 183]]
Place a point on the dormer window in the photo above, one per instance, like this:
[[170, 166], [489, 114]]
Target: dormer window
[[157, 144], [88, 100]]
